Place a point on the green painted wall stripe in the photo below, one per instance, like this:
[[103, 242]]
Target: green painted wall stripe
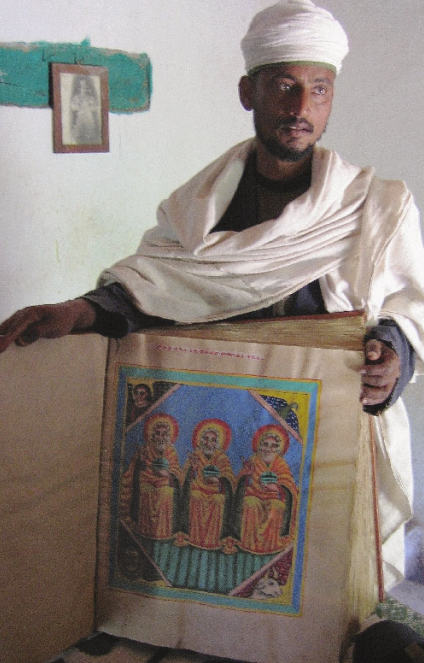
[[25, 73]]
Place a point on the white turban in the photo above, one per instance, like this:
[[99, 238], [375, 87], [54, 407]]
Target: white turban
[[295, 31]]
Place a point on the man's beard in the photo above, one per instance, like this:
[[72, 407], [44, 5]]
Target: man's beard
[[282, 152]]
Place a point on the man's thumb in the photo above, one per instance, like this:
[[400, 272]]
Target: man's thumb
[[373, 350]]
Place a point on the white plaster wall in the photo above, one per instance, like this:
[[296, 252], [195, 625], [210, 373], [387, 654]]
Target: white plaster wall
[[65, 217]]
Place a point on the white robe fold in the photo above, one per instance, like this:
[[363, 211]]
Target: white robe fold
[[358, 234]]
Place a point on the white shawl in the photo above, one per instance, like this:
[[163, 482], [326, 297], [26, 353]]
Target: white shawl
[[358, 234]]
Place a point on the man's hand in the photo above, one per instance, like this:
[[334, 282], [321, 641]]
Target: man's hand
[[46, 321], [379, 373]]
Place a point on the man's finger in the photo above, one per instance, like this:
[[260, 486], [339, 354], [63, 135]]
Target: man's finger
[[375, 380], [28, 336], [22, 327], [374, 396], [15, 327], [373, 350], [8, 326]]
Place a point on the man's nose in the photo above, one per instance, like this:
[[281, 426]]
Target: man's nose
[[299, 102]]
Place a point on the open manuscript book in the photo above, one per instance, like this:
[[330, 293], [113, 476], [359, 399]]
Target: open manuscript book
[[237, 513]]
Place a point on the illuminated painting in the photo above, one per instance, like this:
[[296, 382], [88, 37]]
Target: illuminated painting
[[211, 484]]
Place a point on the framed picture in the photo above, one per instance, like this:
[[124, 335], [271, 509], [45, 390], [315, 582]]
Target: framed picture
[[80, 108]]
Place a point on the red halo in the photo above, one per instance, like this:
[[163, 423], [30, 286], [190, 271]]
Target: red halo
[[161, 417], [271, 429], [221, 427]]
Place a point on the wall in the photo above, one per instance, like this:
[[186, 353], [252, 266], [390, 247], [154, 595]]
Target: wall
[[65, 217]]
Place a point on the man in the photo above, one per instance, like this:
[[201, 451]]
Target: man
[[278, 226]]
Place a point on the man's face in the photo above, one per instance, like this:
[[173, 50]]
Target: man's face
[[209, 442], [269, 448], [161, 437], [291, 106]]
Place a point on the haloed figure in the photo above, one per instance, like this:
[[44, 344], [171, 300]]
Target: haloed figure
[[266, 493], [150, 485], [208, 485]]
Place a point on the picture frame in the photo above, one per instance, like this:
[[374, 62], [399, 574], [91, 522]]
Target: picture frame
[[80, 108]]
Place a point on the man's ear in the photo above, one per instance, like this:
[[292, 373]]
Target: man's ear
[[246, 90]]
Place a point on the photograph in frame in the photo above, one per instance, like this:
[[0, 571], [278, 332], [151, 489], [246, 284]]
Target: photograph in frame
[[80, 108]]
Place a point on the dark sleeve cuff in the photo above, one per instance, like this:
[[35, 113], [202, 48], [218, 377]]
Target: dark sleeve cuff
[[391, 334], [116, 313]]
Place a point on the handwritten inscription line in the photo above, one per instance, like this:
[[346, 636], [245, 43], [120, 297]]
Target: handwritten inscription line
[[201, 351]]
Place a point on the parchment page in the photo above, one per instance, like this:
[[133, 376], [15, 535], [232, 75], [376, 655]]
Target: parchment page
[[252, 565], [51, 404]]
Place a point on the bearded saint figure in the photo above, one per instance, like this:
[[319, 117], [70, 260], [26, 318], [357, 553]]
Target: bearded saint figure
[[208, 486], [150, 486], [266, 498]]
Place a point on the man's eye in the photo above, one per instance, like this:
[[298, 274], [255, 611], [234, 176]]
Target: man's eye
[[284, 87], [320, 90]]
